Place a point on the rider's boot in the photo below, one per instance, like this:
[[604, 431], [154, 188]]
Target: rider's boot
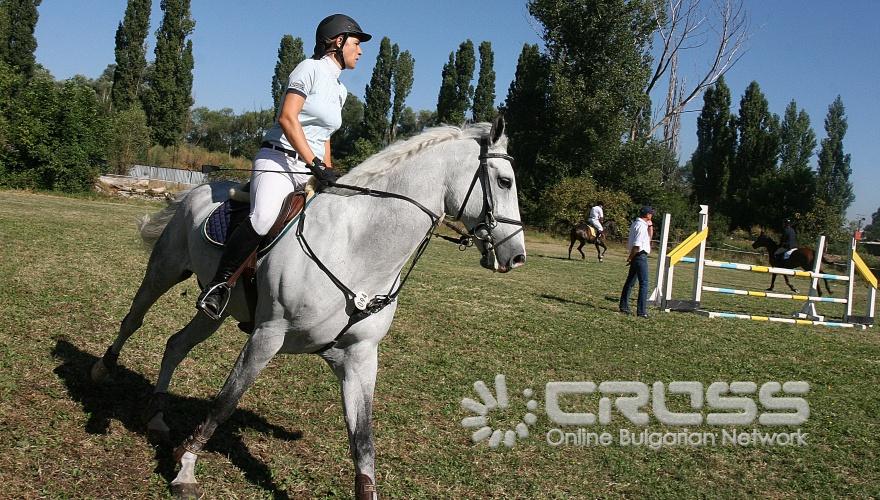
[[241, 244]]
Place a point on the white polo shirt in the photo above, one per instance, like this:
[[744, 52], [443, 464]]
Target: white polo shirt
[[321, 115], [596, 213], [638, 236]]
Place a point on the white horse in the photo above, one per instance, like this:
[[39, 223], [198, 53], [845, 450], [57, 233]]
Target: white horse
[[311, 286]]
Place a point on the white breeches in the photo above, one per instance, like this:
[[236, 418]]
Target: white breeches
[[595, 223], [268, 189]]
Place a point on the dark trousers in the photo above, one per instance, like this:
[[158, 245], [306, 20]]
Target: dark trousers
[[638, 268]]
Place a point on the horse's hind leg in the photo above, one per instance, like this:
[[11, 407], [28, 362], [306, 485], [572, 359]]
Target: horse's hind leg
[[570, 245], [355, 367], [178, 346], [163, 272], [260, 348]]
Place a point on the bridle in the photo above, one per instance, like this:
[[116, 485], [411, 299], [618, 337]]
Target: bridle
[[482, 231]]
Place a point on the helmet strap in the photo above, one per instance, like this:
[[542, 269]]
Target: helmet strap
[[340, 57]]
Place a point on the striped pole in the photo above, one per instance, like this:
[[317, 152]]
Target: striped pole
[[766, 269], [773, 295], [791, 321]]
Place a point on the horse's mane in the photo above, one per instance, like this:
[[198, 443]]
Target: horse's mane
[[392, 156]]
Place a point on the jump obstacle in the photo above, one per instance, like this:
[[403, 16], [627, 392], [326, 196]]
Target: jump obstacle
[[661, 296]]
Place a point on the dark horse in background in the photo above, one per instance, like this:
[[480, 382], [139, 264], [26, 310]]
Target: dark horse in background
[[585, 233], [803, 257]]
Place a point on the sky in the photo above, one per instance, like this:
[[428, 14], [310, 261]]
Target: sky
[[806, 50]]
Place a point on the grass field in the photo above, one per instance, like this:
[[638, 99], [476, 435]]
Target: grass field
[[69, 268]]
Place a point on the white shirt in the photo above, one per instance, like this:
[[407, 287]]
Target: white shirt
[[321, 115], [638, 236], [596, 213]]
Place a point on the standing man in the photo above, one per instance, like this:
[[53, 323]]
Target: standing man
[[639, 246], [597, 216]]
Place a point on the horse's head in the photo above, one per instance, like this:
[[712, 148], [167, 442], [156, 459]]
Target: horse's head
[[763, 241], [482, 195]]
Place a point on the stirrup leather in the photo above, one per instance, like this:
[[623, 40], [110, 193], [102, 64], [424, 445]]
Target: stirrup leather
[[220, 288]]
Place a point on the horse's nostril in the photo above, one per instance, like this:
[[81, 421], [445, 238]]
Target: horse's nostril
[[519, 260]]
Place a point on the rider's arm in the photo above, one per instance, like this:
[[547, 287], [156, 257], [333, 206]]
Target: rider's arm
[[327, 159], [289, 121]]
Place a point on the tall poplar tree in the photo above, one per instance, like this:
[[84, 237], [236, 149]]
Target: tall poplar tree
[[792, 193], [484, 95], [290, 53], [377, 96], [17, 42], [525, 110], [756, 155], [447, 97], [169, 96], [130, 52], [465, 61], [834, 165], [402, 83], [716, 146]]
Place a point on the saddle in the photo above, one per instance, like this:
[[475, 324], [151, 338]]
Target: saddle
[[591, 231], [228, 215]]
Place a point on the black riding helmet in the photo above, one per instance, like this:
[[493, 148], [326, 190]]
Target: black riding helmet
[[333, 26]]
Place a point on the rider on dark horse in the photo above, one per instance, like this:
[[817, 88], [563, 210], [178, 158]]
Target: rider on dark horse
[[597, 216], [788, 242]]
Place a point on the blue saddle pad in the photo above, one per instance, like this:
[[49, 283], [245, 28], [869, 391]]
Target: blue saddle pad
[[217, 226]]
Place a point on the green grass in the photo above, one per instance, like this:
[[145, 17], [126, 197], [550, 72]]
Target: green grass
[[69, 268]]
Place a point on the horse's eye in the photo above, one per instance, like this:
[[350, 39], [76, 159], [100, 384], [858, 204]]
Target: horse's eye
[[505, 182]]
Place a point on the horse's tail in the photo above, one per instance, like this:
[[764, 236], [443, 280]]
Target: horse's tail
[[151, 226]]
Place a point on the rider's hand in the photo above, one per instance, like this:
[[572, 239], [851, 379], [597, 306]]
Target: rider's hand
[[326, 177]]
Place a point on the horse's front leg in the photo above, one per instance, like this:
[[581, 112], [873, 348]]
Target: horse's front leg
[[793, 289], [772, 282], [355, 367], [600, 253], [256, 354]]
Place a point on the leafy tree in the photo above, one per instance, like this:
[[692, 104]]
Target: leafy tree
[[834, 185], [408, 124], [18, 20], [290, 53], [484, 95], [402, 82], [343, 142], [170, 86], [598, 65], [377, 96], [794, 189], [212, 130], [526, 110], [130, 53], [103, 87], [713, 159], [446, 99], [248, 130], [872, 230], [464, 73], [80, 139], [129, 139], [756, 155]]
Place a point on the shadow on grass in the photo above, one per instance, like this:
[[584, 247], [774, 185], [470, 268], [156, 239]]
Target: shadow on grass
[[124, 399], [573, 258], [569, 301]]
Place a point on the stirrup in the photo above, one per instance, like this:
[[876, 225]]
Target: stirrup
[[220, 288]]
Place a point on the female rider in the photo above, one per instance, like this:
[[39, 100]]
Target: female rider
[[310, 111]]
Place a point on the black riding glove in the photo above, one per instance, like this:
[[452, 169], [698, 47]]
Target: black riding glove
[[326, 176]]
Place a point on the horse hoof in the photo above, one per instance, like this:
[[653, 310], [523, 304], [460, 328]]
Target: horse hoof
[[188, 491], [99, 372]]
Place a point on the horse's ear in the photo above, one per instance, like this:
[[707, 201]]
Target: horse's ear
[[497, 129]]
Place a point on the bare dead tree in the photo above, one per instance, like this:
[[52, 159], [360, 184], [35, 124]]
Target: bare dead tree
[[688, 25]]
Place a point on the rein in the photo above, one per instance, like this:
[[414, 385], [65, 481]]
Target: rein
[[363, 307]]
